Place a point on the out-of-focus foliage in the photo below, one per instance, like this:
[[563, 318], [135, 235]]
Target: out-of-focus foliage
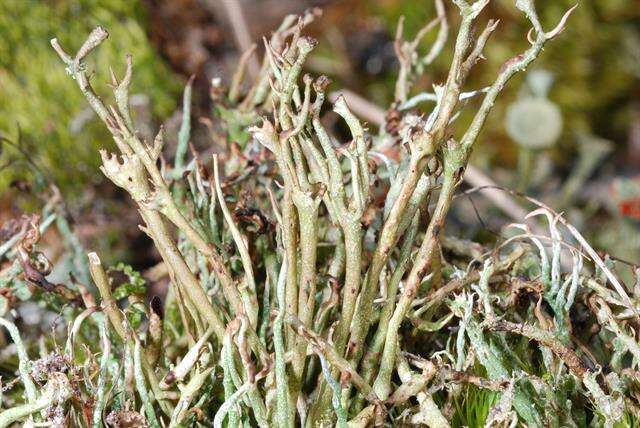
[[39, 98]]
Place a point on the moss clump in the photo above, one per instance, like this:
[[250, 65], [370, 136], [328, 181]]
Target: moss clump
[[40, 99]]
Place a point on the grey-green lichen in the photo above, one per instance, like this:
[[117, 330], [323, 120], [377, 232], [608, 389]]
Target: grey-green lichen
[[309, 285]]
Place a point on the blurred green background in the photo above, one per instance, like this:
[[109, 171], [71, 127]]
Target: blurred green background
[[41, 102]]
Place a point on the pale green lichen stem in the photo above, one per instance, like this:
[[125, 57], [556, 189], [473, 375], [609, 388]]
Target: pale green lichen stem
[[102, 376], [141, 386], [23, 360]]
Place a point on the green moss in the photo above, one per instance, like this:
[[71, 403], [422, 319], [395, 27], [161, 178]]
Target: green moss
[[628, 421], [32, 78], [472, 406]]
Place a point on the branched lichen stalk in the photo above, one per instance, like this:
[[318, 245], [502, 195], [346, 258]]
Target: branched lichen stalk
[[312, 291]]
